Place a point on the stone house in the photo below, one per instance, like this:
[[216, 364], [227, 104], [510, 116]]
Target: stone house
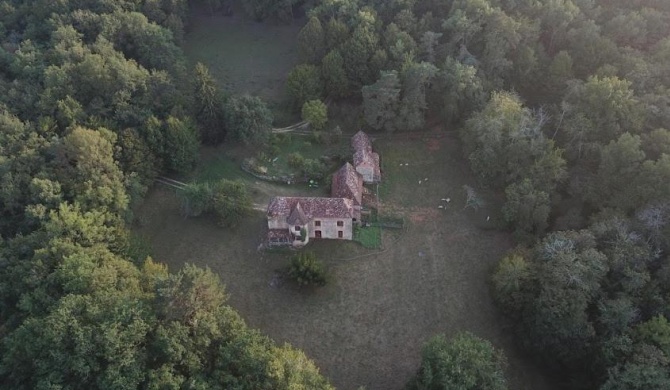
[[296, 220], [366, 161]]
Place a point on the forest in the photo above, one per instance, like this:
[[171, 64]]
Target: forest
[[562, 106]]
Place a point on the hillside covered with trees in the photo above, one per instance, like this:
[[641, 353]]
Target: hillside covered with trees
[[96, 99], [563, 106]]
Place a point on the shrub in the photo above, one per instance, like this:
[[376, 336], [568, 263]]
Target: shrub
[[316, 113], [296, 161], [306, 270], [315, 169], [228, 200]]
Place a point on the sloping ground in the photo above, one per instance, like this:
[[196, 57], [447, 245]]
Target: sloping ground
[[367, 327], [246, 57]]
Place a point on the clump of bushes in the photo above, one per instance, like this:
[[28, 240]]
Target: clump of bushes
[[306, 270], [228, 200], [313, 168], [316, 113]]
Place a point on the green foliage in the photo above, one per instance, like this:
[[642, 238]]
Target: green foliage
[[314, 169], [248, 119], [208, 106], [306, 270], [465, 362], [87, 165], [304, 84], [296, 161], [655, 331], [316, 113], [381, 101], [369, 237], [312, 42], [336, 33], [416, 80], [526, 208], [509, 280], [86, 341], [463, 90], [357, 52], [335, 79], [228, 200], [231, 202], [90, 116], [181, 139]]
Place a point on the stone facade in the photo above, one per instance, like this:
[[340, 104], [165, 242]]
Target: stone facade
[[296, 220]]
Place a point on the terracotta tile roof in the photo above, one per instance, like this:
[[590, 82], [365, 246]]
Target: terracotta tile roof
[[364, 158], [312, 207], [361, 142], [347, 183], [297, 216]]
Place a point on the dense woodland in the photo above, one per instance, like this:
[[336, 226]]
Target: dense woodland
[[561, 105]]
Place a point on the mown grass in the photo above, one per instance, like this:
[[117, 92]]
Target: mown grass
[[365, 328], [246, 57], [307, 147], [219, 166], [368, 236]]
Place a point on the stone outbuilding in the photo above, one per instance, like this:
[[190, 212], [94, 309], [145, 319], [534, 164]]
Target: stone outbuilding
[[366, 162]]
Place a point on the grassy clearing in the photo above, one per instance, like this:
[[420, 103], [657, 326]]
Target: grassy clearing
[[370, 237], [245, 56], [218, 166], [304, 145], [365, 328]]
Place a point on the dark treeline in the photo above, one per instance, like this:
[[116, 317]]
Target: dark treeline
[[95, 100], [564, 106]]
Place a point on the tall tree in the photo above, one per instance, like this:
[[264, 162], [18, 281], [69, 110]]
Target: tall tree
[[334, 76], [208, 106], [466, 362], [304, 83], [248, 119], [312, 42], [417, 78], [381, 101]]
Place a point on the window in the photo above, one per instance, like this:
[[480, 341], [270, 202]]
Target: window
[[340, 234], [297, 228], [340, 223], [317, 233], [317, 223]]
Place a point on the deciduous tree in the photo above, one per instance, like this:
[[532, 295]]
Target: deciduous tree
[[466, 362]]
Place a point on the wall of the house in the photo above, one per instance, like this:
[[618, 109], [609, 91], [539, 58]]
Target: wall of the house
[[280, 223], [277, 223], [366, 172], [329, 228]]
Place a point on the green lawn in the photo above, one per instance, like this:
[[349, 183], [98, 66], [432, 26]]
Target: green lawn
[[366, 327], [246, 57], [370, 237], [215, 166]]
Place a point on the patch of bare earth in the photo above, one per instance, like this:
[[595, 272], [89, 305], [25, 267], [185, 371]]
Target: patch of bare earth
[[367, 327]]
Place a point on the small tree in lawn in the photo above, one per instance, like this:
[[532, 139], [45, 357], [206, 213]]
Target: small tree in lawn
[[307, 270], [466, 363], [230, 201], [316, 113]]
